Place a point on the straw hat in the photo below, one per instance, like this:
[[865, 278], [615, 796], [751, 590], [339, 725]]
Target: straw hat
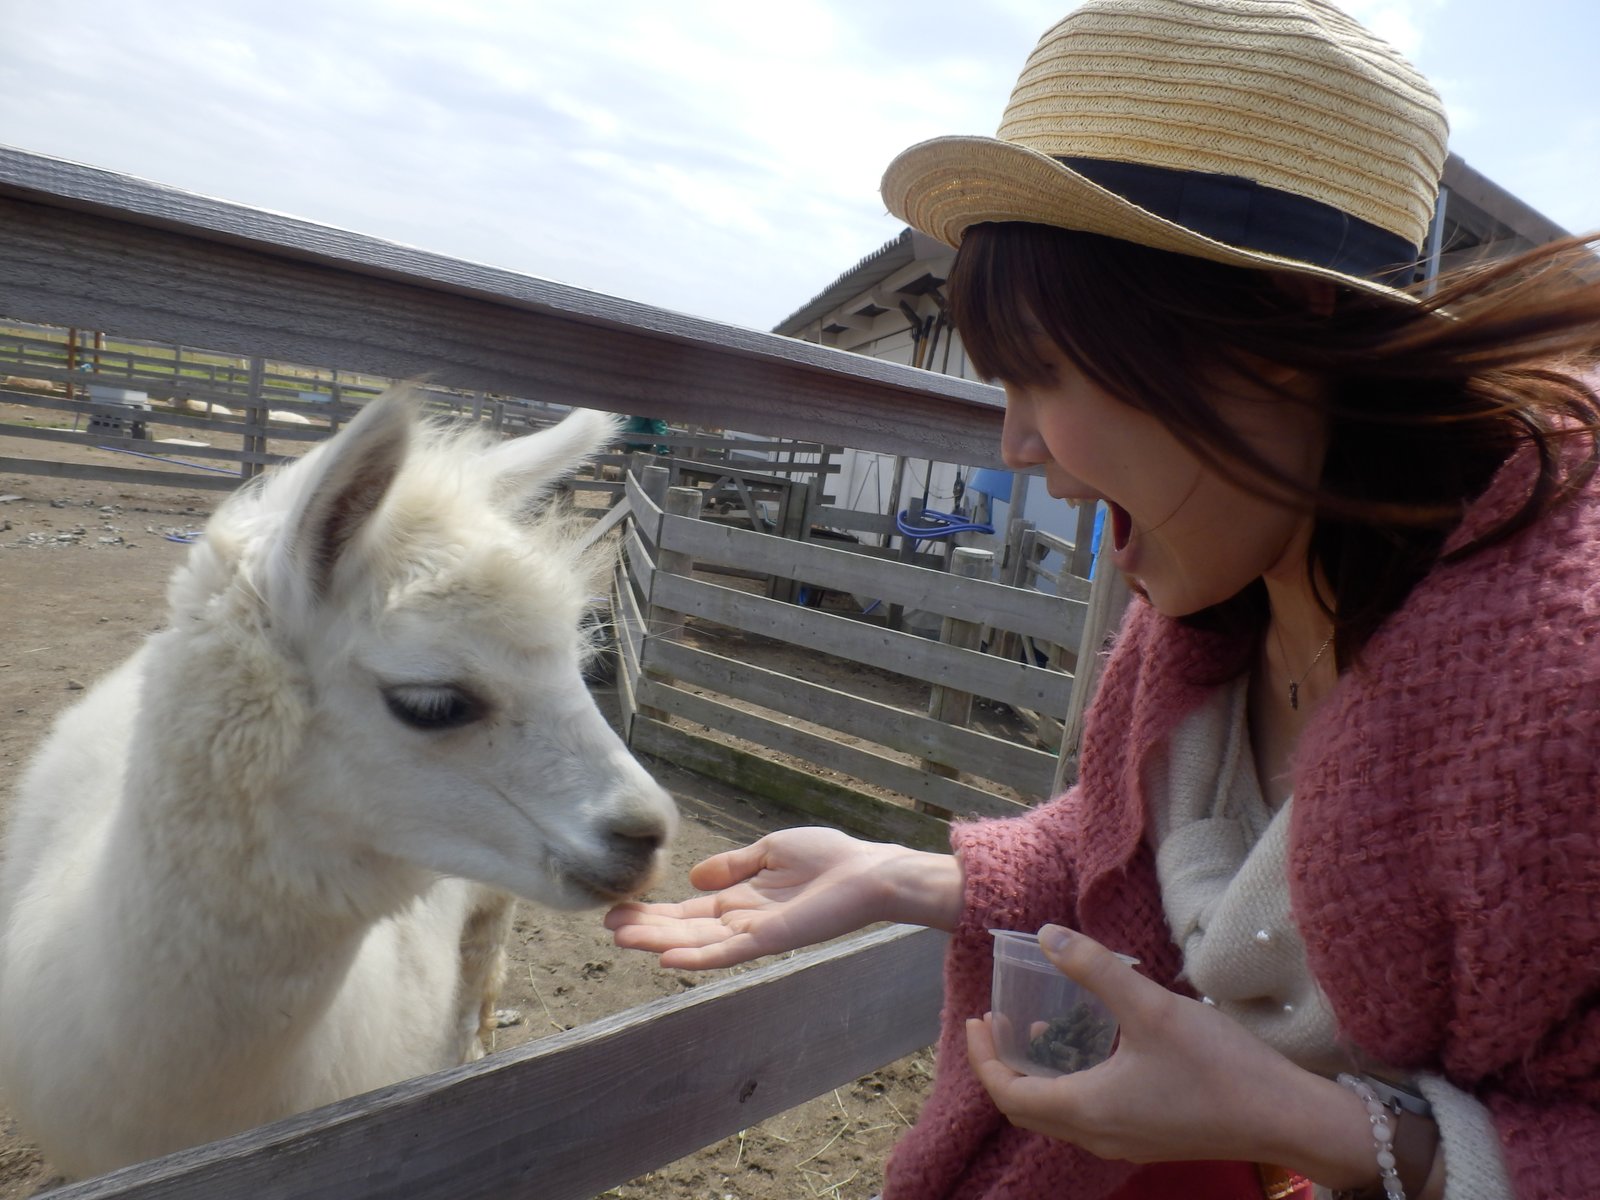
[[1262, 133]]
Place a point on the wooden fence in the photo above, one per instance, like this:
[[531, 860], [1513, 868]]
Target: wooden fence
[[570, 1115], [937, 765], [226, 411]]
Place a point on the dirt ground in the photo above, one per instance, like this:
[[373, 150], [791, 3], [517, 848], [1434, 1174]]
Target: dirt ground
[[83, 567]]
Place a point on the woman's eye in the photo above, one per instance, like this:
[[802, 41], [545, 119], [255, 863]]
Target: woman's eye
[[432, 707]]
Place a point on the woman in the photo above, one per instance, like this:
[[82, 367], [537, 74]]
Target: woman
[[1338, 785]]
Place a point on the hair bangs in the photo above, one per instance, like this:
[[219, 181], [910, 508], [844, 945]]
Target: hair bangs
[[996, 292]]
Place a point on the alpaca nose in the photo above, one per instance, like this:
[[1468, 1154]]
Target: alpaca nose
[[642, 820], [634, 861], [636, 847]]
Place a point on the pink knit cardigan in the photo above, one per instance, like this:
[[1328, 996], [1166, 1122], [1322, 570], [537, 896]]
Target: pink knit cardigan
[[1444, 864]]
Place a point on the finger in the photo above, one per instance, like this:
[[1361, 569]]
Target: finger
[[980, 1041], [670, 935], [1028, 1102], [995, 1076], [635, 913], [730, 867], [1082, 959], [738, 948]]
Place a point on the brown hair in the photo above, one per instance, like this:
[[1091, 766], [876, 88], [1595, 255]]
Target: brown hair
[[1421, 407]]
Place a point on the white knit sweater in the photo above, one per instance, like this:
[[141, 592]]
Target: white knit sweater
[[1221, 858]]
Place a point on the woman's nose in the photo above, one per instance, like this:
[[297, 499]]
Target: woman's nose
[[1021, 446]]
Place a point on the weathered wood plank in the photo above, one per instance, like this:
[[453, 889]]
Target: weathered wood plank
[[1027, 770], [1107, 603], [67, 437], [646, 512], [865, 764], [946, 704], [856, 521], [614, 516], [568, 1116], [628, 639], [60, 470], [807, 794], [98, 250], [641, 565], [1057, 618], [903, 653], [627, 614], [161, 377], [214, 426]]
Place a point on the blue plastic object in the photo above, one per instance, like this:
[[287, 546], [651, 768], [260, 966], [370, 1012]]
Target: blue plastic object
[[941, 525]]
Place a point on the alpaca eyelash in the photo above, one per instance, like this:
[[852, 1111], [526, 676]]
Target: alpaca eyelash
[[432, 706]]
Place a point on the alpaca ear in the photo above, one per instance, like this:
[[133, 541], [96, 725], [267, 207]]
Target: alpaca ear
[[526, 470], [351, 477]]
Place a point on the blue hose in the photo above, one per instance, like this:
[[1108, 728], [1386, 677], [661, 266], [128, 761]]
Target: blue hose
[[944, 525]]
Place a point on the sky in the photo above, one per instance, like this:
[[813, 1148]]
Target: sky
[[714, 157]]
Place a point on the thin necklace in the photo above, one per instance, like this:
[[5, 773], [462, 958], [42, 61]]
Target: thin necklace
[[1294, 684]]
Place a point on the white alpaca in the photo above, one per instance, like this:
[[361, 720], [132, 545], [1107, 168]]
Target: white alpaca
[[236, 883]]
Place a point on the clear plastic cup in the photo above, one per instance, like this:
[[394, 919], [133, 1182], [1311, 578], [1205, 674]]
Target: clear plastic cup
[[1044, 1023]]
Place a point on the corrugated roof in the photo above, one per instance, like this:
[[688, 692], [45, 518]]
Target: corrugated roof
[[873, 269]]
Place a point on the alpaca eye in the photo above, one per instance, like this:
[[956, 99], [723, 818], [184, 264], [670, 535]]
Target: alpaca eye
[[430, 707]]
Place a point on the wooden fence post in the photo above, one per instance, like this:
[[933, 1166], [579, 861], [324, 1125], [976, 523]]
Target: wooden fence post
[[1013, 573], [257, 407], [947, 704], [653, 477], [664, 625], [794, 527], [908, 552], [897, 483], [1108, 597], [1083, 541], [680, 502]]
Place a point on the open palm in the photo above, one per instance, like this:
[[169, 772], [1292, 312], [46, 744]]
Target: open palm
[[792, 888]]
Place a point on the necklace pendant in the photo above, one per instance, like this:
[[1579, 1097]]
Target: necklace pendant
[[1294, 696]]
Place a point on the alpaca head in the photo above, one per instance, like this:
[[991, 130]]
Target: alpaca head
[[411, 591]]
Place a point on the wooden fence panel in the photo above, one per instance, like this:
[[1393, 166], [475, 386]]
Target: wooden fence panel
[[568, 1116], [902, 653], [827, 752], [831, 516], [806, 793], [1054, 617], [1030, 771]]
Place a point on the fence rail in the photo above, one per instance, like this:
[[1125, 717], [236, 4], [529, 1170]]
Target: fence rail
[[570, 1115], [91, 249]]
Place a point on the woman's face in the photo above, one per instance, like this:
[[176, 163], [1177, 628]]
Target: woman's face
[[1182, 532]]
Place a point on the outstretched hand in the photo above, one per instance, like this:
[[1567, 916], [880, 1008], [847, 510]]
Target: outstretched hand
[[1185, 1082], [790, 889]]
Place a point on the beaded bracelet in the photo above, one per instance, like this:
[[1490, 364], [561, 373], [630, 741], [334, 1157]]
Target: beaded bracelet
[[1381, 1115]]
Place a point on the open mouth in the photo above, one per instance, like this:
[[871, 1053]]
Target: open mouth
[[1121, 526]]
